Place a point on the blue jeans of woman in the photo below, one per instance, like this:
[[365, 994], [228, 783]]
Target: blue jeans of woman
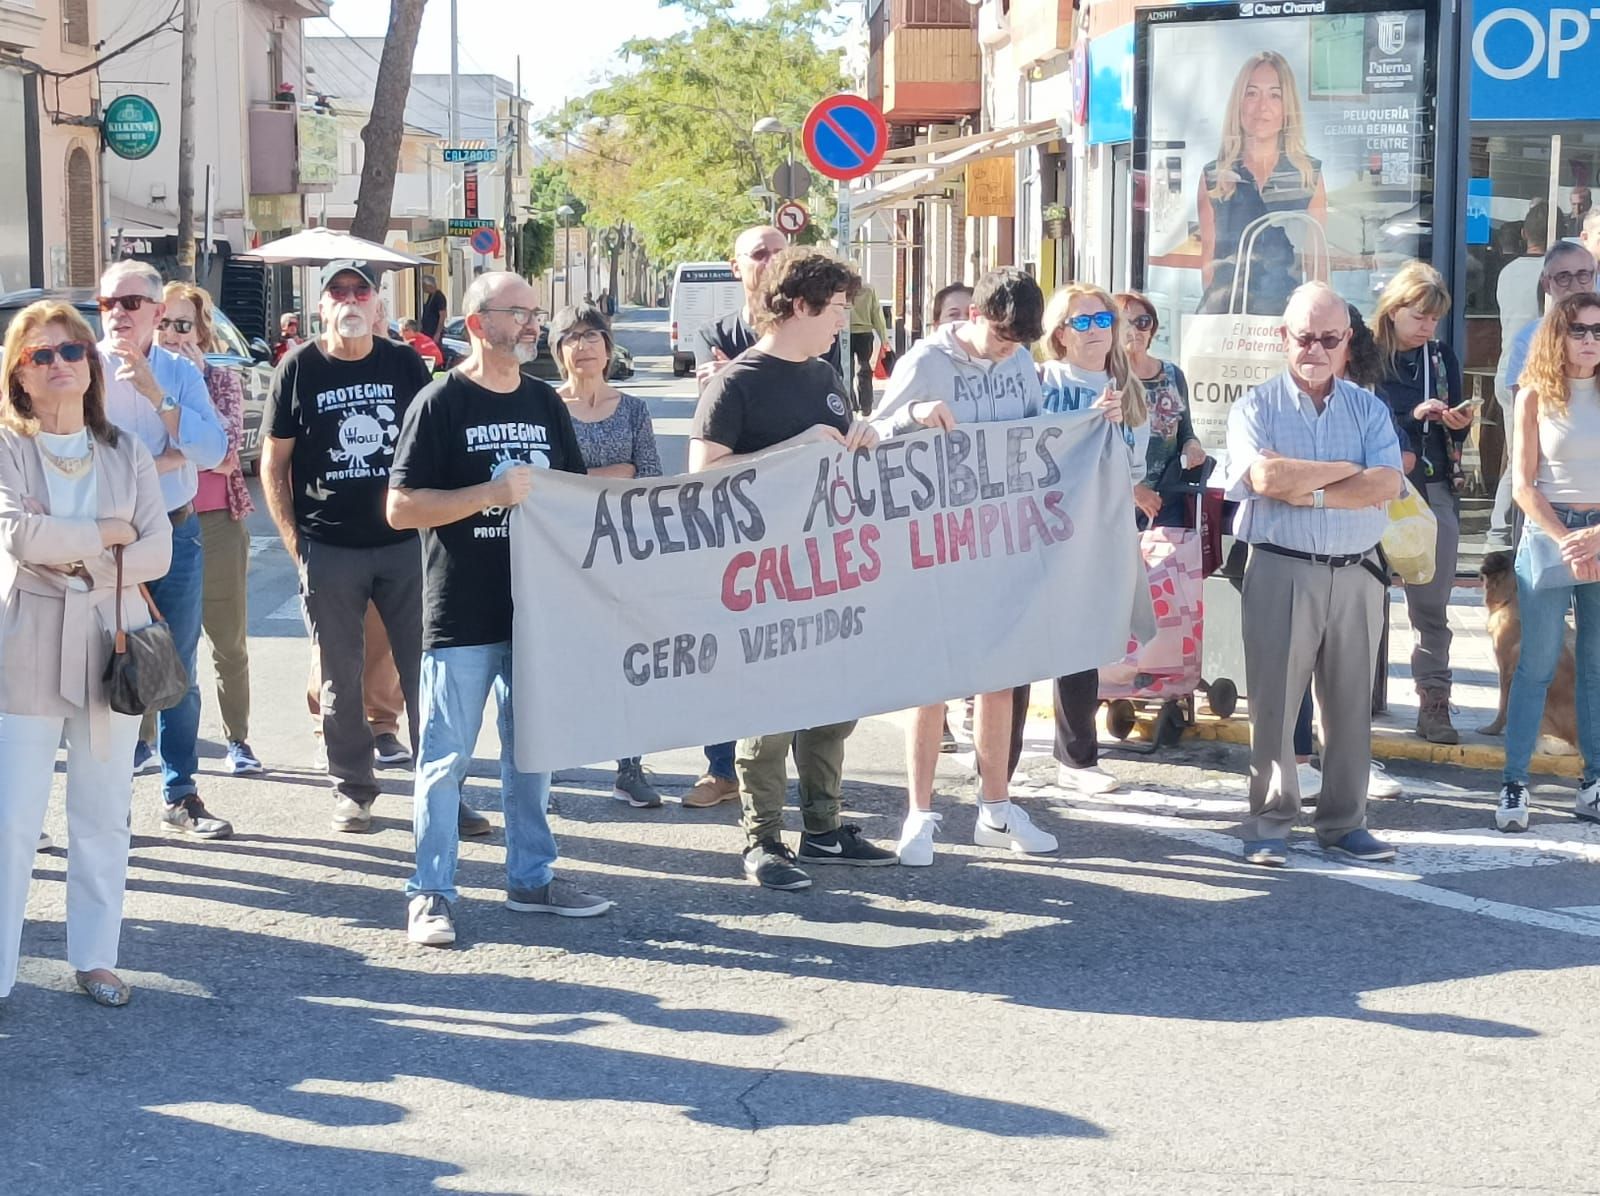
[[1544, 630], [455, 686]]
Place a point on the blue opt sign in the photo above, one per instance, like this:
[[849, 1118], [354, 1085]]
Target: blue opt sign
[[1535, 60]]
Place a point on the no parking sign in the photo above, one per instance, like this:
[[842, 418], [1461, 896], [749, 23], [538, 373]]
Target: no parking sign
[[486, 241]]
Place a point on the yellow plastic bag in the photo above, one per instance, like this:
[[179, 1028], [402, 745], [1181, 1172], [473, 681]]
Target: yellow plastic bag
[[1411, 541]]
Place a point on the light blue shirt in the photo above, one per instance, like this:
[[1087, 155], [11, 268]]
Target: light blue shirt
[[201, 438], [1518, 357], [1278, 417]]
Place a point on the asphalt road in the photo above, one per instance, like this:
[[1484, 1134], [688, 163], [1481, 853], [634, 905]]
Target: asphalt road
[[1143, 1013]]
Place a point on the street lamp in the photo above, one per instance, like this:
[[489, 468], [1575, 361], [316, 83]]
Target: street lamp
[[566, 211], [769, 125]]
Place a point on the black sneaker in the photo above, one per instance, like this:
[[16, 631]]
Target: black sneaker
[[471, 823], [843, 845], [388, 751], [190, 817], [772, 866]]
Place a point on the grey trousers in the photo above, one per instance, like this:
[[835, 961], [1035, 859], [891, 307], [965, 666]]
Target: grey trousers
[[1308, 622], [336, 584], [1429, 606]]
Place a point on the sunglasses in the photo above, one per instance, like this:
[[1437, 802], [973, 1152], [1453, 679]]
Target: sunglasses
[[761, 254], [342, 293], [1328, 340], [1567, 278], [1100, 319], [125, 302], [176, 325], [1142, 323], [1579, 332], [71, 352]]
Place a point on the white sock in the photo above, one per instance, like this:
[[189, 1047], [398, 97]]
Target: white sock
[[995, 814]]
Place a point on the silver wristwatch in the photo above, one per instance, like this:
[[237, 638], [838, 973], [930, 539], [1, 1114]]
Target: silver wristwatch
[[168, 403], [1319, 498]]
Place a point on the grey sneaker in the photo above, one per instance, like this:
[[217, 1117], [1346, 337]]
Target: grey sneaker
[[560, 897], [428, 921], [190, 817], [635, 788], [350, 816]]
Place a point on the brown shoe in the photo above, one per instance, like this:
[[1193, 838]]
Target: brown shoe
[[1433, 718], [710, 791]]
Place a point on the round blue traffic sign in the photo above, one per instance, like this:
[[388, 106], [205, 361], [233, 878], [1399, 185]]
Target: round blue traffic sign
[[486, 240], [845, 137]]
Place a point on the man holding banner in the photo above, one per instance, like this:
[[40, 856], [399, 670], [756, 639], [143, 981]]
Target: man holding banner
[[1312, 461], [775, 395], [471, 448]]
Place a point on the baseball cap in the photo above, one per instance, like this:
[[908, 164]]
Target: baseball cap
[[333, 269]]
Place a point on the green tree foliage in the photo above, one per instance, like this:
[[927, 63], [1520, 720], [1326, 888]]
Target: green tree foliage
[[667, 146]]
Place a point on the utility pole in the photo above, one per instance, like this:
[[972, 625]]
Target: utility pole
[[186, 146], [455, 140]]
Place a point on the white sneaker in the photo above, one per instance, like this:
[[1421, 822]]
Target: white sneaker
[[1587, 805], [1093, 779], [1310, 783], [429, 922], [1019, 835], [1381, 784], [916, 839], [1512, 812]]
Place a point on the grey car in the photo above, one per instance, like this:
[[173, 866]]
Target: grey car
[[253, 363]]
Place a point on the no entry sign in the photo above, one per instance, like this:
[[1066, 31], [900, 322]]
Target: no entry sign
[[845, 137], [791, 218]]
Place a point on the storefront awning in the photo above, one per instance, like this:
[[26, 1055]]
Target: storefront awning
[[910, 172]]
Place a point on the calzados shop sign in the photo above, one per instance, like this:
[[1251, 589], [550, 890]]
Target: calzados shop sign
[[809, 587]]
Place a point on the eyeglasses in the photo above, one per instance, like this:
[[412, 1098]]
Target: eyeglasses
[[1568, 278], [590, 337], [71, 352], [1580, 332], [1328, 340], [176, 325], [519, 315], [343, 293], [1100, 319], [125, 302], [1142, 323], [760, 254]]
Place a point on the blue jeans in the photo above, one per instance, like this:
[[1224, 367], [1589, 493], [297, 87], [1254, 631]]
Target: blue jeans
[[1544, 630], [178, 596], [456, 683], [719, 761]]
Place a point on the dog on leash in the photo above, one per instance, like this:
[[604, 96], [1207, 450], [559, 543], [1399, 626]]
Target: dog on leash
[[1505, 635]]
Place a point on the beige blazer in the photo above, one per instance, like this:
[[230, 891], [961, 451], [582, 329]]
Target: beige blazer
[[54, 640]]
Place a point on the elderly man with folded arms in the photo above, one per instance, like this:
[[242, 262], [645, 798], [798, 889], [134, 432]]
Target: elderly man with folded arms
[[1312, 461]]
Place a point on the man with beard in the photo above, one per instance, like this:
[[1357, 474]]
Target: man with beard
[[333, 418], [472, 448]]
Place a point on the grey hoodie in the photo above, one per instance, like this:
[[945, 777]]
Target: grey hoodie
[[978, 391]]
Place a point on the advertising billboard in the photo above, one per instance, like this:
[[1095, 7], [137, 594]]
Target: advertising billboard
[[1277, 141]]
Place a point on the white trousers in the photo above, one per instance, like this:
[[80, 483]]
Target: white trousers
[[99, 795]]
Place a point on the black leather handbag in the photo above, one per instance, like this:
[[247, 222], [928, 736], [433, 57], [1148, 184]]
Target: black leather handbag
[[145, 672]]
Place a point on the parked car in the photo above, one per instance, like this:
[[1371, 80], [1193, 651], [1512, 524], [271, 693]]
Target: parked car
[[251, 361]]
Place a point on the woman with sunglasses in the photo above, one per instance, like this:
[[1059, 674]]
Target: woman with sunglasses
[[1087, 367], [1174, 447], [617, 440], [74, 492], [1556, 479], [223, 503]]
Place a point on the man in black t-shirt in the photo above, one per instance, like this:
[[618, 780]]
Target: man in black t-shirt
[[472, 449], [332, 419], [777, 394], [434, 307]]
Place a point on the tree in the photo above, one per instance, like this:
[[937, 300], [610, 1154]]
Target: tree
[[668, 146], [386, 126]]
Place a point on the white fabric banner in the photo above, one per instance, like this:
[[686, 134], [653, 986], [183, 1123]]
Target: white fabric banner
[[808, 587]]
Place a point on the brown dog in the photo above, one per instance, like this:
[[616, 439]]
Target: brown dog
[[1505, 634]]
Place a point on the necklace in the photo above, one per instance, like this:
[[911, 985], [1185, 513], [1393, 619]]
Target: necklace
[[68, 467]]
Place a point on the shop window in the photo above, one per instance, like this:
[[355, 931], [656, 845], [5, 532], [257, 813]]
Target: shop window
[[82, 269]]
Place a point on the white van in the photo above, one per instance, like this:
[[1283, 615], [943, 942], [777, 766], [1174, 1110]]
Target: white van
[[702, 293]]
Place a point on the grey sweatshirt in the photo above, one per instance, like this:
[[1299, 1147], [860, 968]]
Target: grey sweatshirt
[[978, 391]]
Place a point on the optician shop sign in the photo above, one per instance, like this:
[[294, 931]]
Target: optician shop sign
[[1535, 60]]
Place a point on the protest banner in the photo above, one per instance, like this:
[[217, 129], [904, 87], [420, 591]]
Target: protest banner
[[809, 586]]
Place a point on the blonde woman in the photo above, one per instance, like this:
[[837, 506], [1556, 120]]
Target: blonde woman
[[1087, 367], [1421, 382], [72, 490], [223, 503], [1261, 167], [1556, 473]]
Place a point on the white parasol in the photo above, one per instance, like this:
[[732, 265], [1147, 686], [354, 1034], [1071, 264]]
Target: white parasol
[[319, 246]]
